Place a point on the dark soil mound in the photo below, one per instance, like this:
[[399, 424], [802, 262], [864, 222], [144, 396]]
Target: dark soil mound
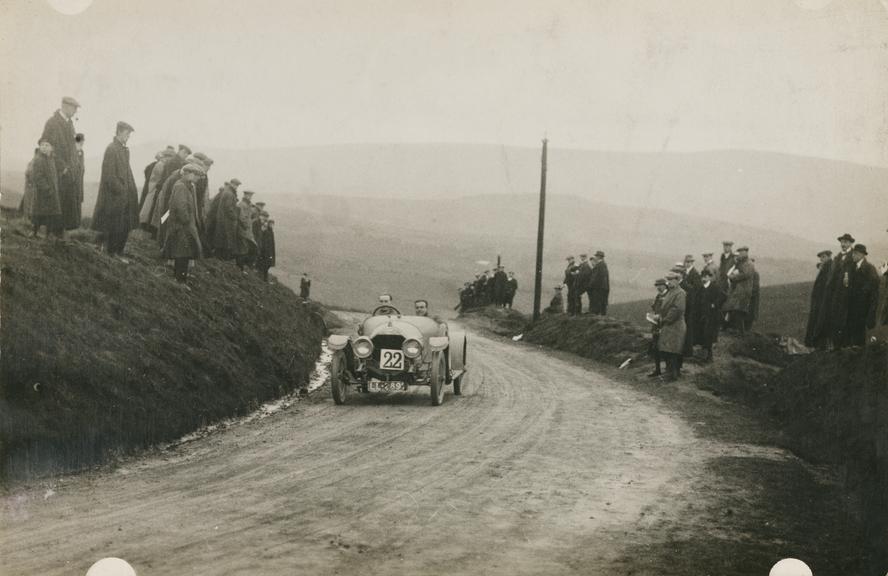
[[599, 337], [759, 347], [101, 356], [501, 321], [833, 407]]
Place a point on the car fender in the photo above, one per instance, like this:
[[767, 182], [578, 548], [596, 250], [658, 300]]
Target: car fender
[[458, 347], [337, 342]]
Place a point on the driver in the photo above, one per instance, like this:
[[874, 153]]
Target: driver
[[385, 308]]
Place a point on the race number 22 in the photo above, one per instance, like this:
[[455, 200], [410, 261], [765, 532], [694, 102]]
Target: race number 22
[[392, 360]]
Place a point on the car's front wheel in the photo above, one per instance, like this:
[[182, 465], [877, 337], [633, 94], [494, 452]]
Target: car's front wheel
[[339, 377], [436, 378]]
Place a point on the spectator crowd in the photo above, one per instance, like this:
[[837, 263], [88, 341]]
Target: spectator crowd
[[497, 288], [174, 206]]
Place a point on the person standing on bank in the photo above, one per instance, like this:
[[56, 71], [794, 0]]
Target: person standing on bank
[[182, 242], [584, 283], [708, 317], [266, 257], [511, 290], [599, 285], [571, 275], [75, 216], [656, 308], [863, 297], [843, 266], [305, 286], [60, 133], [672, 325], [46, 208], [117, 206], [818, 332], [740, 277], [246, 243]]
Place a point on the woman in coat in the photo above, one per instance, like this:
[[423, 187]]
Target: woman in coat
[[672, 325], [182, 241], [46, 207]]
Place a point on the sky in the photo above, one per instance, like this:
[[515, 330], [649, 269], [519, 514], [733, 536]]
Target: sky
[[806, 77]]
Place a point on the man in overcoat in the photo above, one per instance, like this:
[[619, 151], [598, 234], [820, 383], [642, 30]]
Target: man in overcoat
[[584, 282], [45, 206], [599, 285], [571, 274], [305, 286], [725, 263], [708, 316], [266, 256], [511, 290], [672, 325], [843, 265], [656, 308], [500, 279], [117, 205], [863, 297], [740, 279], [246, 243], [692, 283], [818, 332], [182, 241], [59, 131]]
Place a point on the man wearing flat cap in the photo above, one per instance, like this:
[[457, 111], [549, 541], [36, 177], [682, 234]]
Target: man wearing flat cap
[[117, 205], [863, 297], [692, 284], [59, 131], [222, 218], [571, 274], [155, 177], [725, 263], [739, 301], [671, 325], [182, 242], [656, 307], [843, 267], [818, 333], [584, 280]]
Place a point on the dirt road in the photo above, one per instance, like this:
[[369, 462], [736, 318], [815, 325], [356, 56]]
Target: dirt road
[[542, 467]]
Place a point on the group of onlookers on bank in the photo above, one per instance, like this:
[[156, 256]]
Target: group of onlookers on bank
[[497, 288], [174, 207]]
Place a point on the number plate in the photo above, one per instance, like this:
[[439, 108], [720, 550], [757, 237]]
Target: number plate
[[391, 359], [383, 386]]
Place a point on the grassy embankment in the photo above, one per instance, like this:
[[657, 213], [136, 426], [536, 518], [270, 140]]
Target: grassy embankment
[[103, 357], [830, 408]]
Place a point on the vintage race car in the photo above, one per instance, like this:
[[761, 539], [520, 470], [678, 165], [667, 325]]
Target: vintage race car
[[392, 352]]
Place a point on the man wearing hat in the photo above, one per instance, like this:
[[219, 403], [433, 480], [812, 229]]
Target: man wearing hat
[[843, 266], [584, 279], [43, 187], [725, 263], [599, 285], [117, 205], [182, 241], [672, 325], [246, 242], [818, 333], [708, 317], [656, 308], [59, 132], [154, 179], [692, 283], [571, 273], [222, 218], [305, 286], [710, 264], [739, 301], [863, 297], [265, 257]]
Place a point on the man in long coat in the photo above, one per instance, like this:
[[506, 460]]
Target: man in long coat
[[571, 274], [725, 263], [153, 182], [708, 317], [656, 307], [266, 257], [246, 243], [740, 278], [599, 285], [843, 265], [45, 207], [692, 283], [499, 286], [511, 290], [863, 297], [584, 283], [672, 325], [818, 332], [305, 286], [59, 131], [222, 218], [182, 241], [117, 206]]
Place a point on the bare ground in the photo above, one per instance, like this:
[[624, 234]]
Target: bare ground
[[544, 466]]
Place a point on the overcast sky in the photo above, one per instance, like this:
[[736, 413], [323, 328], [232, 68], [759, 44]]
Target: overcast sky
[[798, 76]]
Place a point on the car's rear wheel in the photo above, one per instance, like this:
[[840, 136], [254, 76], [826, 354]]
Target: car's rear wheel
[[436, 378], [339, 378]]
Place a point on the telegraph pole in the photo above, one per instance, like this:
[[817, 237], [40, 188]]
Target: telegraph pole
[[538, 282]]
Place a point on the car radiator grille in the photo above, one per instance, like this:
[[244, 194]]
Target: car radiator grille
[[389, 341]]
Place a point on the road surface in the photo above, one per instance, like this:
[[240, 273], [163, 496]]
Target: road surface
[[541, 467]]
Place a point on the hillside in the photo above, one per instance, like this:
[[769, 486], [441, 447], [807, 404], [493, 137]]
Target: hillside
[[100, 356]]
